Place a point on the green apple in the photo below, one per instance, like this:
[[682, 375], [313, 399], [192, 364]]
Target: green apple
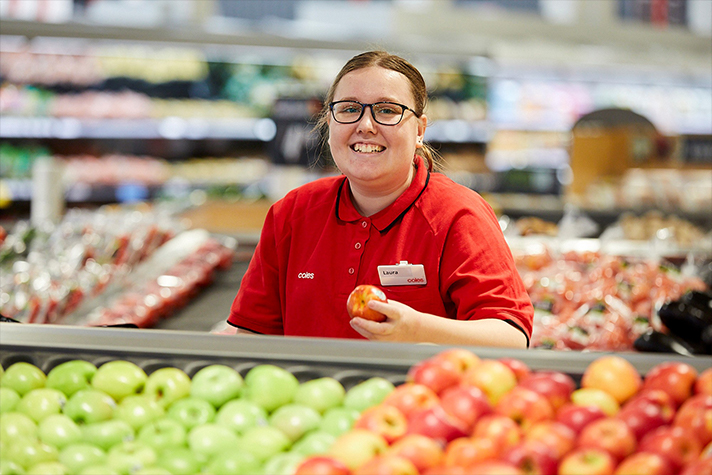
[[320, 394], [42, 402], [178, 461], [119, 378], [49, 468], [284, 463], [16, 424], [210, 439], [264, 442], [235, 462], [163, 433], [314, 443], [270, 386], [71, 376], [167, 385], [295, 420], [29, 451], [8, 399], [241, 414], [151, 471], [23, 377], [106, 434], [191, 412], [216, 384], [338, 420], [8, 467], [130, 456], [90, 405], [368, 393], [138, 410], [81, 455], [59, 431], [101, 469]]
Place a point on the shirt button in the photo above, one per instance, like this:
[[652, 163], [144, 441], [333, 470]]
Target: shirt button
[[357, 245], [364, 224], [351, 270]]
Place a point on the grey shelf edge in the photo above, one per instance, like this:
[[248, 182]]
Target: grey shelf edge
[[166, 344]]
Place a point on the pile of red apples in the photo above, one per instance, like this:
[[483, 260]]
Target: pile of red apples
[[458, 414]]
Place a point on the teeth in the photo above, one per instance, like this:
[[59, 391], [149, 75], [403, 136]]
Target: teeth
[[367, 148]]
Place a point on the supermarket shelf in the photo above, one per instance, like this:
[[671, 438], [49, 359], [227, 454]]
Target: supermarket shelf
[[172, 128], [52, 342]]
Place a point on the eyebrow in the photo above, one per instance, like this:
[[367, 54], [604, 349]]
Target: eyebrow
[[386, 99]]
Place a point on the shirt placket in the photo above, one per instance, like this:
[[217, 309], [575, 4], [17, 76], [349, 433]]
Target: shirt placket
[[358, 244]]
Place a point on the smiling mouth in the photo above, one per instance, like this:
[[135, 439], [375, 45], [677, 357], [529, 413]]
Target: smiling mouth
[[367, 148]]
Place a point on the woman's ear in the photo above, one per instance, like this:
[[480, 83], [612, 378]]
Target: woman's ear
[[422, 125]]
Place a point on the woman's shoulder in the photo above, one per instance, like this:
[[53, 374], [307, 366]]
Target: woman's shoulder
[[445, 191]]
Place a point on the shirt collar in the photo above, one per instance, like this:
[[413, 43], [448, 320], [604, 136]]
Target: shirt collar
[[384, 219]]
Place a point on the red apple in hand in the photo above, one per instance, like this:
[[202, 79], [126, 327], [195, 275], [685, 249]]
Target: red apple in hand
[[675, 378], [357, 304]]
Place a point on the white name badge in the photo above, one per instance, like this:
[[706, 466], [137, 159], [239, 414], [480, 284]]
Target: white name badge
[[402, 274]]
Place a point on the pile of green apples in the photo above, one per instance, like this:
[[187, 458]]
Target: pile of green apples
[[117, 419]]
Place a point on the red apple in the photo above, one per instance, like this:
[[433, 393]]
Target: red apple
[[494, 378], [644, 463], [577, 417], [467, 451], [698, 467], [525, 407], [554, 385], [675, 378], [587, 461], [674, 443], [385, 420], [610, 434], [556, 435], [613, 374], [695, 415], [436, 424], [436, 374], [703, 385], [462, 358], [532, 458], [357, 303], [494, 467], [409, 397], [387, 465], [500, 429], [466, 403], [420, 449], [322, 465], [518, 367], [647, 411]]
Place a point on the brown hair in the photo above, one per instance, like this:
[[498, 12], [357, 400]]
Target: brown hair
[[385, 60]]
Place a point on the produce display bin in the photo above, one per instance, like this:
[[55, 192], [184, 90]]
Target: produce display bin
[[349, 361]]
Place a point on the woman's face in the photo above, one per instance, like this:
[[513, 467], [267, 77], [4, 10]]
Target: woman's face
[[374, 156]]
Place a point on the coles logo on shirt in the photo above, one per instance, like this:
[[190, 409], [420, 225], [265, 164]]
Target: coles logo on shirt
[[305, 275]]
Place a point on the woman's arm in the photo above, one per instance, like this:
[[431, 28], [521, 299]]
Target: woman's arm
[[408, 325]]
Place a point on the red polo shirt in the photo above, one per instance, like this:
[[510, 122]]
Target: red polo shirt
[[315, 248]]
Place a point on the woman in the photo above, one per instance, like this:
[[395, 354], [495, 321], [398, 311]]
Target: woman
[[389, 214]]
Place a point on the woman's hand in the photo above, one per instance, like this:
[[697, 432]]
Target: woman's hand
[[401, 323]]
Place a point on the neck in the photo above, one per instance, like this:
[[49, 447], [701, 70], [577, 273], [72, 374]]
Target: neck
[[369, 202]]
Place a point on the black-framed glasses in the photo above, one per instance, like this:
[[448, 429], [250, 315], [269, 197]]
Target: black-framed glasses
[[385, 113]]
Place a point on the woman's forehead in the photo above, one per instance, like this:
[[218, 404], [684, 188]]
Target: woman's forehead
[[373, 83]]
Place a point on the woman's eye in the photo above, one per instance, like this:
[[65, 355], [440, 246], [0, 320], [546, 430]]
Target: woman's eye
[[387, 110]]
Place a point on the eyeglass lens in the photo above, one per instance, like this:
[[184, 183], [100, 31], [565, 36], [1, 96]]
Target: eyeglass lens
[[385, 113]]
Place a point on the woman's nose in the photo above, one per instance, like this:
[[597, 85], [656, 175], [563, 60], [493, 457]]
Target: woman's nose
[[366, 122]]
